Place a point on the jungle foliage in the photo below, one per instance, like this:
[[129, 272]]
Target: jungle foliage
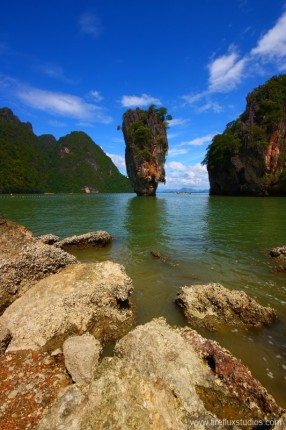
[[39, 164]]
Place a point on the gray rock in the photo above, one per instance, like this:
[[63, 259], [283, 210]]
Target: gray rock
[[212, 306], [24, 261], [66, 414], [92, 239], [81, 356], [81, 298]]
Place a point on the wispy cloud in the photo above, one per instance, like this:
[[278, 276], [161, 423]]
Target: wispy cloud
[[53, 71], [90, 24], [63, 104], [56, 123], [273, 43], [139, 101], [210, 106], [177, 121], [96, 95], [225, 72], [174, 152], [194, 98], [198, 141]]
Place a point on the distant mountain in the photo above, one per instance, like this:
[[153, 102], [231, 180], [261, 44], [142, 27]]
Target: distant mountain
[[249, 157], [42, 164]]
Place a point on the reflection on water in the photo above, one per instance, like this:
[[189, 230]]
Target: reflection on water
[[211, 239]]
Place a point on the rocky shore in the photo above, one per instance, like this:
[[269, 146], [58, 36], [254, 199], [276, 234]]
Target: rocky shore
[[57, 316]]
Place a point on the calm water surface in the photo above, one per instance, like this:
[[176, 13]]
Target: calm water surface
[[205, 239]]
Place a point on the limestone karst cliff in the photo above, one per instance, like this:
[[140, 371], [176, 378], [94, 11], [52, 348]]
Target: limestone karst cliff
[[146, 148], [41, 164], [249, 157]]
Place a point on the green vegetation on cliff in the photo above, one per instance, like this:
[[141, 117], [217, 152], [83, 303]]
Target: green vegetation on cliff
[[249, 157], [140, 132], [34, 164], [146, 147]]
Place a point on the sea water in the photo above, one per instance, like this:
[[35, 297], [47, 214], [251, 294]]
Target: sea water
[[201, 239]]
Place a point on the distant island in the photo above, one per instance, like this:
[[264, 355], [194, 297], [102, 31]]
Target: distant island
[[249, 157], [42, 164]]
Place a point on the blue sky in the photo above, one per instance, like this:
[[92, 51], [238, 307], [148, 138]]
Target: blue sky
[[78, 65]]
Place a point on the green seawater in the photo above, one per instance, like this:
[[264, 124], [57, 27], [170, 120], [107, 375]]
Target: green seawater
[[203, 238]]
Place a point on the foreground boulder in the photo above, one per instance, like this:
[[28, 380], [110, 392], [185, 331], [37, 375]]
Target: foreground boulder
[[162, 378], [29, 384], [24, 261], [81, 298], [212, 306]]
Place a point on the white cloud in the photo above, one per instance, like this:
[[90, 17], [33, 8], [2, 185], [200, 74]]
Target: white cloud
[[138, 101], [177, 121], [273, 43], [96, 95], [225, 73], [210, 105], [194, 98], [199, 141], [177, 151], [90, 24], [181, 175], [119, 162], [66, 105]]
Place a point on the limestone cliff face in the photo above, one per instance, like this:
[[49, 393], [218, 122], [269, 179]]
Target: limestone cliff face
[[249, 157], [146, 148]]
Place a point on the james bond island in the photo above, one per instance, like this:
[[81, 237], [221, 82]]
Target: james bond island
[[249, 157], [146, 148]]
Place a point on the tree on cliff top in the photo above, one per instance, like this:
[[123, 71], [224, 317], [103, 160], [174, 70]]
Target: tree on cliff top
[[249, 157], [146, 147]]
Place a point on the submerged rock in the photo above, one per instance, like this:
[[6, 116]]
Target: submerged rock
[[279, 251], [92, 239], [81, 298], [146, 148], [212, 306], [279, 255], [164, 378], [24, 260]]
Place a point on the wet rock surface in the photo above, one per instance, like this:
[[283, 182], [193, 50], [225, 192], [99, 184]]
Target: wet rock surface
[[81, 298], [24, 261], [212, 306], [94, 239], [246, 397], [164, 378], [279, 256], [29, 384]]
